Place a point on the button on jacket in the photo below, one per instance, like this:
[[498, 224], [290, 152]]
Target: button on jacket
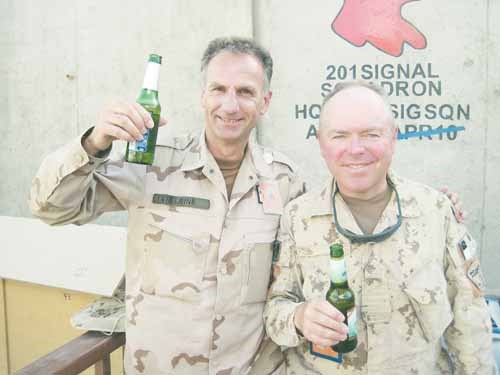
[[412, 290], [197, 269]]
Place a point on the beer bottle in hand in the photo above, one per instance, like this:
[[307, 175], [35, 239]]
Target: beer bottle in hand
[[342, 298], [143, 152]]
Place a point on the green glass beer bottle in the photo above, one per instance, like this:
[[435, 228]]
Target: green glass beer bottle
[[342, 298], [143, 152]]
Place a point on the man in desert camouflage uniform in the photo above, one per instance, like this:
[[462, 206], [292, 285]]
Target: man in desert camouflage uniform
[[412, 266], [201, 221]]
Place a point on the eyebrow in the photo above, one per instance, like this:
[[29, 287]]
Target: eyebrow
[[332, 131], [214, 84], [238, 88], [345, 132], [250, 89], [370, 130]]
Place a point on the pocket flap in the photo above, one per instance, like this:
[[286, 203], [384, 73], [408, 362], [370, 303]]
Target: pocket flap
[[428, 297], [428, 285], [264, 236], [188, 227], [313, 250]]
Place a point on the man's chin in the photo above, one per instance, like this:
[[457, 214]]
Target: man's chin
[[225, 131], [354, 186], [231, 138]]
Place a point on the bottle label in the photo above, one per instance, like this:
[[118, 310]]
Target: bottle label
[[338, 272], [151, 76], [140, 146], [351, 322]]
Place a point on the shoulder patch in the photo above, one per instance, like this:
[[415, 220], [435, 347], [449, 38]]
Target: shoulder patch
[[468, 246]]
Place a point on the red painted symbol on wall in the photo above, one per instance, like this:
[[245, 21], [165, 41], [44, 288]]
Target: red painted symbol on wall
[[378, 22]]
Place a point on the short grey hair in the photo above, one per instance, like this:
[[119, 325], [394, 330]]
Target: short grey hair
[[341, 86], [239, 46]]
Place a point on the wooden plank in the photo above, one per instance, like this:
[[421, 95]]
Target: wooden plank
[[89, 258], [103, 367], [4, 345], [77, 355]]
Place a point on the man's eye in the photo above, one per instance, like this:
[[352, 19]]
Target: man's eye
[[218, 89], [338, 136], [246, 92], [373, 135]]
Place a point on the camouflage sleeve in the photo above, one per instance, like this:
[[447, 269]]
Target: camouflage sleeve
[[74, 187], [469, 337], [297, 187], [284, 293]]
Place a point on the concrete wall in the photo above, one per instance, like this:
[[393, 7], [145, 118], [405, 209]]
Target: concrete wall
[[455, 76], [61, 61]]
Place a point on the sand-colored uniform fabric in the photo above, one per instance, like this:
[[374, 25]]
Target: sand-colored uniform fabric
[[196, 278], [412, 292]]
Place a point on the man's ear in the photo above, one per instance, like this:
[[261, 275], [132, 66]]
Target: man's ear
[[267, 101], [318, 139], [202, 98], [394, 138], [395, 133]]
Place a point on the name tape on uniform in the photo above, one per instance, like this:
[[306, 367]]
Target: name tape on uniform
[[475, 275], [173, 200]]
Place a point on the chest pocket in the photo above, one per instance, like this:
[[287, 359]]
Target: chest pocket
[[314, 263], [257, 258], [175, 254], [375, 303], [428, 297]]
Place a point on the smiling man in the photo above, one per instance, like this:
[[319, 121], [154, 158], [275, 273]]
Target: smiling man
[[201, 220], [412, 266], [236, 95]]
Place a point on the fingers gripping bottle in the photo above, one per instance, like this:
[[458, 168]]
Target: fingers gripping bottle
[[143, 152], [342, 297]]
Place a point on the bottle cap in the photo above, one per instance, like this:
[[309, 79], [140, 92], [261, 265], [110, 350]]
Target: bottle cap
[[155, 58], [336, 250]]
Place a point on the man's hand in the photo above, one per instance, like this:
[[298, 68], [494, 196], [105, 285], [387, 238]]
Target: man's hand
[[320, 323], [124, 121], [460, 214]]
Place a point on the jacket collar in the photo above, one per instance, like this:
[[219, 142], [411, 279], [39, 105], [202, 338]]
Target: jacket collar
[[409, 205], [258, 161], [254, 166], [196, 155]]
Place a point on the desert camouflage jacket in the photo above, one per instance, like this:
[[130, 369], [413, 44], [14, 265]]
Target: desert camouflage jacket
[[198, 262], [418, 291]]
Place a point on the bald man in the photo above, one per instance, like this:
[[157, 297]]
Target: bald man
[[411, 264]]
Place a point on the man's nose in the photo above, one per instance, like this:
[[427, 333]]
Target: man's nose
[[230, 102], [356, 145]]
